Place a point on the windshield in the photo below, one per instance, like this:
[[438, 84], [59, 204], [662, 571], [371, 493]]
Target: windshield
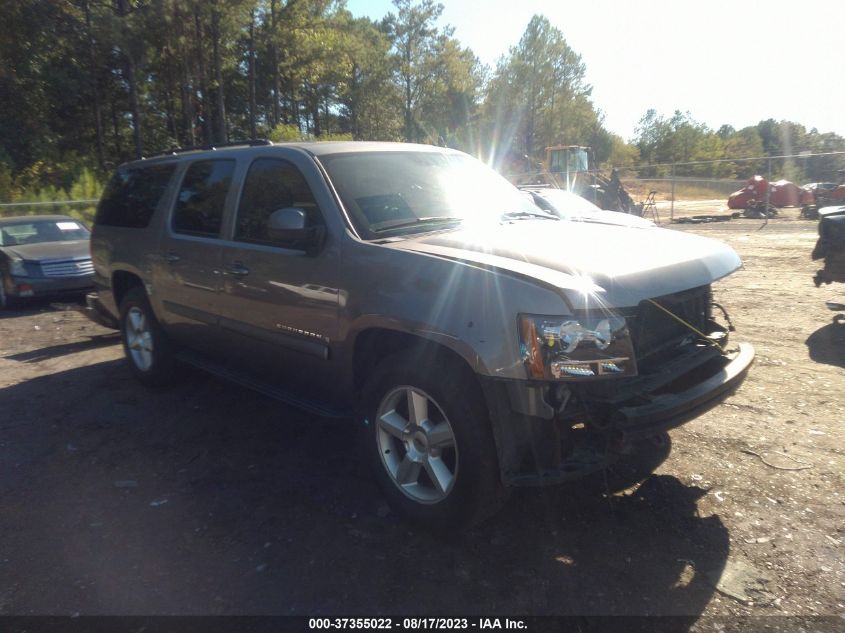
[[567, 203], [395, 193], [39, 231]]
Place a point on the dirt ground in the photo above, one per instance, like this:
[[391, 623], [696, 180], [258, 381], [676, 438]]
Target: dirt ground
[[208, 499]]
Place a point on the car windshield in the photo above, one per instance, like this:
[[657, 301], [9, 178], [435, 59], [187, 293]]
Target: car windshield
[[395, 193], [38, 231], [567, 203]]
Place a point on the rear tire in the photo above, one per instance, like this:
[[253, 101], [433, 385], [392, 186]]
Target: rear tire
[[147, 348], [429, 441]]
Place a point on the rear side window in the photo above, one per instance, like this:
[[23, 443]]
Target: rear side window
[[199, 206], [132, 195], [272, 184]]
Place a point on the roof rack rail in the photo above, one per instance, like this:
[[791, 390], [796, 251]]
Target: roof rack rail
[[253, 142]]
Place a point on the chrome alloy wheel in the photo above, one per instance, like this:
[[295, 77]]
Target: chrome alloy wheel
[[417, 444], [139, 338]]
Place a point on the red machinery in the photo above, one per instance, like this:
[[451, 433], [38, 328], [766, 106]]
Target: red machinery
[[754, 189], [781, 193]]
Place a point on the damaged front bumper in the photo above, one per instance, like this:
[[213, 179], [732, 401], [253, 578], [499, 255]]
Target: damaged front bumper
[[668, 410], [550, 433]]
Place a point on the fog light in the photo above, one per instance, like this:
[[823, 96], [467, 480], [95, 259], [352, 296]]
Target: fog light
[[587, 368], [581, 370], [611, 368]]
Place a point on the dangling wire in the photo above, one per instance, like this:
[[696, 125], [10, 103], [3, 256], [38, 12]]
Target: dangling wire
[[688, 325], [731, 327]]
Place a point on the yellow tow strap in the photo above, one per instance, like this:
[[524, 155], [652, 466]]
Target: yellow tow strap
[[688, 325]]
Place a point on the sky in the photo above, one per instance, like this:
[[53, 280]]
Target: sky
[[726, 62]]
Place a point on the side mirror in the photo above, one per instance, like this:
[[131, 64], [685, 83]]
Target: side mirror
[[289, 226]]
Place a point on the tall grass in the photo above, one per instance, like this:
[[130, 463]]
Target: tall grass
[[77, 201]]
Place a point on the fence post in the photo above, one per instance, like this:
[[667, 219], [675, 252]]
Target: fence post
[[672, 206], [768, 189]]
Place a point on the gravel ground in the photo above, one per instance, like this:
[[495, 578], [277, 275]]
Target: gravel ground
[[208, 499]]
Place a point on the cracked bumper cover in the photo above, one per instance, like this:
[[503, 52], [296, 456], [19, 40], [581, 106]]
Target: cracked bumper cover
[[669, 410], [525, 424]]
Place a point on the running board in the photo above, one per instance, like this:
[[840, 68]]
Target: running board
[[245, 380]]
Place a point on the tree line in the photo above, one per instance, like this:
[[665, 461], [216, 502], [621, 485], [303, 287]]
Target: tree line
[[88, 84], [661, 140]]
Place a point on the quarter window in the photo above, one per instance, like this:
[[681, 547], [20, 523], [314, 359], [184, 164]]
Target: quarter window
[[272, 184], [199, 206], [132, 195]]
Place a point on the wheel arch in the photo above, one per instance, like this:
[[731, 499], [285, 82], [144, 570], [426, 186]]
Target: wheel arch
[[442, 371], [373, 343], [121, 282]]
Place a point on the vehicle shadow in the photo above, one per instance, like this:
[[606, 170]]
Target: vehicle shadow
[[34, 306], [643, 553], [827, 344], [45, 353], [15, 311], [208, 499]]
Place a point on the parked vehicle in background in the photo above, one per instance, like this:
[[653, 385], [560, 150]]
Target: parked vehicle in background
[[820, 195], [821, 187], [831, 246], [830, 197], [569, 206], [43, 255], [480, 342]]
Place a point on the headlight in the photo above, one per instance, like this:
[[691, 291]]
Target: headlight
[[565, 348], [17, 268]]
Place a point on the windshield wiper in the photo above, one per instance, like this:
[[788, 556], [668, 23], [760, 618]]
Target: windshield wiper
[[516, 215], [403, 224]]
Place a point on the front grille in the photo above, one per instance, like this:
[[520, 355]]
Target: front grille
[[67, 268], [653, 331]]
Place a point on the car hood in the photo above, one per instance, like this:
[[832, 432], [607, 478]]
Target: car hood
[[616, 266], [75, 249], [614, 218]]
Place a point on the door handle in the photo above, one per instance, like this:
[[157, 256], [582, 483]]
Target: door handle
[[171, 257], [237, 270]]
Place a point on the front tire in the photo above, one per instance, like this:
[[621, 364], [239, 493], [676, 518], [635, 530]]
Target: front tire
[[429, 441], [147, 348]]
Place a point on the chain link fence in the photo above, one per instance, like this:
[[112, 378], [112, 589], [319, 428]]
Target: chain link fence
[[82, 210], [665, 192], [658, 191]]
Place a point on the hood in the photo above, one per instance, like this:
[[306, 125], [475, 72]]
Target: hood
[[614, 218], [570, 206], [618, 266], [76, 249]]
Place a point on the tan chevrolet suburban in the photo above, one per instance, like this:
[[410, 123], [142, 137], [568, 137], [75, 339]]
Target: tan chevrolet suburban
[[480, 342]]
